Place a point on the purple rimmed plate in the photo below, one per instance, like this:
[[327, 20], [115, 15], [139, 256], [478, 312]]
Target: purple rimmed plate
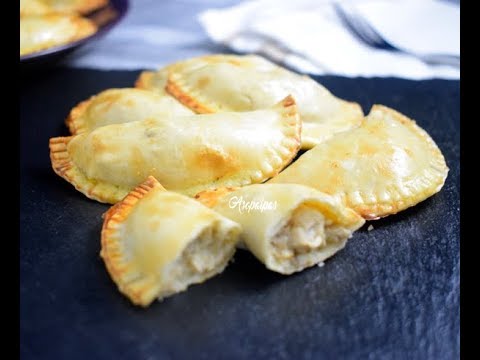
[[105, 18]]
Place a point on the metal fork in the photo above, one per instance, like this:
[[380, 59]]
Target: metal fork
[[275, 50], [366, 33]]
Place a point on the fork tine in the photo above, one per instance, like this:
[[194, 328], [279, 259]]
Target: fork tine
[[373, 35], [367, 30], [363, 30], [350, 23]]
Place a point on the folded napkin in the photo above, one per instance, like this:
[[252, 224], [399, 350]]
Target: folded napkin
[[307, 35]]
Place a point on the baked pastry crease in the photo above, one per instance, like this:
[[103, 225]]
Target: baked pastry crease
[[156, 243], [118, 106], [40, 32], [217, 83], [385, 166], [288, 227], [186, 154]]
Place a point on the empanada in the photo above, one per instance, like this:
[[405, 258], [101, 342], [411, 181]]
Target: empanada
[[44, 31], [186, 154], [117, 106], [242, 83], [156, 243], [385, 166], [288, 227]]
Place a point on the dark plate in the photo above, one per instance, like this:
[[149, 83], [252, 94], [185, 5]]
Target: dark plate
[[105, 18], [392, 293]]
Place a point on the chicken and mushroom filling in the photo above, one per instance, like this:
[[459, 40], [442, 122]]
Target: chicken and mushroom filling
[[307, 239], [203, 258]]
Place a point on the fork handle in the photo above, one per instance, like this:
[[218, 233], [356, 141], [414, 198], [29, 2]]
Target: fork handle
[[440, 59]]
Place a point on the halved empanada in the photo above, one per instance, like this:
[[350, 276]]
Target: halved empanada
[[186, 154], [385, 166], [288, 227], [44, 31], [117, 106], [156, 243], [242, 83]]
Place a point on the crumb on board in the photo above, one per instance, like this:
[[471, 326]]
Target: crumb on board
[[321, 264], [370, 227]]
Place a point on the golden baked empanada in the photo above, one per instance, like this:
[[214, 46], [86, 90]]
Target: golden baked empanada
[[41, 32], [288, 227], [242, 83], [186, 154], [156, 243], [117, 106], [386, 165]]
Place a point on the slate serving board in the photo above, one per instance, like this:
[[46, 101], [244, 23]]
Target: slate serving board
[[392, 293]]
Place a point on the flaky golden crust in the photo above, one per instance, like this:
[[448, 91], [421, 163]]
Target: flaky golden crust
[[377, 210], [192, 102], [74, 126], [294, 127], [63, 166], [136, 291], [386, 165], [120, 106], [144, 79]]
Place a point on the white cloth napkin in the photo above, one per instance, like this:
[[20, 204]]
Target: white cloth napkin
[[308, 35]]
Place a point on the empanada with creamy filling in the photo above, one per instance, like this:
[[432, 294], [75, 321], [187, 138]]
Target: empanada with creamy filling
[[385, 166], [217, 83], [117, 106], [288, 227], [40, 32], [186, 154], [156, 243]]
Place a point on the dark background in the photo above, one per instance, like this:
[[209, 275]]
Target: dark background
[[391, 293]]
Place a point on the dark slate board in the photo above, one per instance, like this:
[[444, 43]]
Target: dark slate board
[[391, 293]]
